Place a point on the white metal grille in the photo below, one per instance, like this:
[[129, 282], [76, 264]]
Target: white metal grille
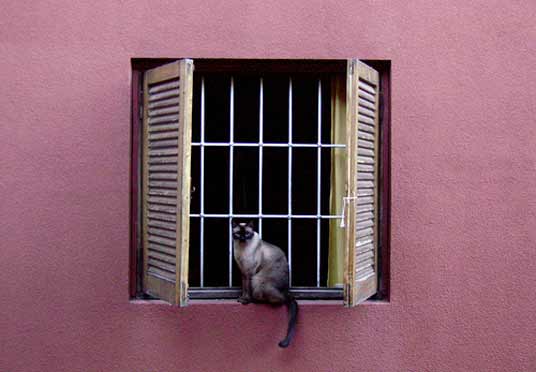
[[261, 145]]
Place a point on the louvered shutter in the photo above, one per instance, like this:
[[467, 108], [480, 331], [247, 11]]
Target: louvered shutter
[[167, 116], [361, 261]]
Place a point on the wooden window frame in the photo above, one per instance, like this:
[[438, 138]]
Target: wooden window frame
[[254, 66]]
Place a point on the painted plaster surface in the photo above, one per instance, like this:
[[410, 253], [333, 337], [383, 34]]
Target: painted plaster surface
[[463, 187]]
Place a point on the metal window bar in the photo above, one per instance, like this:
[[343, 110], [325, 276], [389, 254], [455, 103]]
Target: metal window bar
[[260, 215], [289, 195], [261, 139], [201, 190], [268, 144], [318, 182], [231, 183]]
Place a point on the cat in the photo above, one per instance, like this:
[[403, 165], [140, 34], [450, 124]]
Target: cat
[[265, 273]]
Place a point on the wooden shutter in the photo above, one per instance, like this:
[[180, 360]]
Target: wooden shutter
[[361, 261], [167, 117]]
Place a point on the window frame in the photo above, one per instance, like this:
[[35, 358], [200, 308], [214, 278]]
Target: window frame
[[254, 66]]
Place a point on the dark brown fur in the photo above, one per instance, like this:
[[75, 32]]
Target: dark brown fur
[[265, 273]]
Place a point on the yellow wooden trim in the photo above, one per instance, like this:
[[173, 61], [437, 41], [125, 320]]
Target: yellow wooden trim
[[351, 182], [186, 68], [337, 237], [368, 286]]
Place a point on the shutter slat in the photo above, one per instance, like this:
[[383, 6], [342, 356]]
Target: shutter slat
[[365, 144], [163, 111], [165, 102], [162, 224], [366, 273], [366, 152], [163, 160], [156, 272], [365, 256], [365, 119], [164, 86], [365, 199], [170, 259], [162, 233], [165, 143], [163, 168], [161, 135], [161, 265], [165, 152], [162, 248], [365, 224], [365, 160], [163, 192], [364, 216], [365, 265], [365, 192], [161, 208], [161, 120], [366, 87], [363, 241], [366, 128], [365, 208], [163, 184], [365, 168], [360, 233], [366, 104], [162, 176], [163, 127], [170, 243], [365, 175], [364, 247], [163, 200], [367, 96], [367, 136], [162, 217], [367, 112], [365, 184], [360, 242], [164, 94]]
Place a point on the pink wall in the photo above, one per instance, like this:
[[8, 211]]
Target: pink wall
[[463, 202]]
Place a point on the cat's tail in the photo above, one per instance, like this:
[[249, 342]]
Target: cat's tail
[[293, 318]]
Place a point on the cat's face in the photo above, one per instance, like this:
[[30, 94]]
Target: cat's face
[[243, 231]]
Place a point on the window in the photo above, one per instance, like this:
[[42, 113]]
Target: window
[[292, 145]]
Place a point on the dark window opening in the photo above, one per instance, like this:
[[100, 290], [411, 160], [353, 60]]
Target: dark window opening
[[275, 176]]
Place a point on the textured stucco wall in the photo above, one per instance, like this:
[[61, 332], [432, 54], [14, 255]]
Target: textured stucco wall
[[463, 187]]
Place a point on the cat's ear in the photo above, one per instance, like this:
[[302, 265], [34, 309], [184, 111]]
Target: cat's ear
[[233, 223], [250, 224]]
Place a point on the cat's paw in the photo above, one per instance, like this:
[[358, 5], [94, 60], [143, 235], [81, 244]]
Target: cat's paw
[[244, 300]]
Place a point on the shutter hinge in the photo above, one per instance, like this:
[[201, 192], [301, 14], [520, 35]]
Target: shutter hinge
[[352, 67]]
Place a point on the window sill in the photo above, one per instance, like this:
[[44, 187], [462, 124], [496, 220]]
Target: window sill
[[230, 302], [300, 293], [228, 296]]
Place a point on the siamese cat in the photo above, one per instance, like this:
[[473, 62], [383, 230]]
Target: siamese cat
[[265, 276]]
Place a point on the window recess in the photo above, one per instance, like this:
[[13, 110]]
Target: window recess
[[292, 145]]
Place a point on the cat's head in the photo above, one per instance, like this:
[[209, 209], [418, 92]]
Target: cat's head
[[243, 231]]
